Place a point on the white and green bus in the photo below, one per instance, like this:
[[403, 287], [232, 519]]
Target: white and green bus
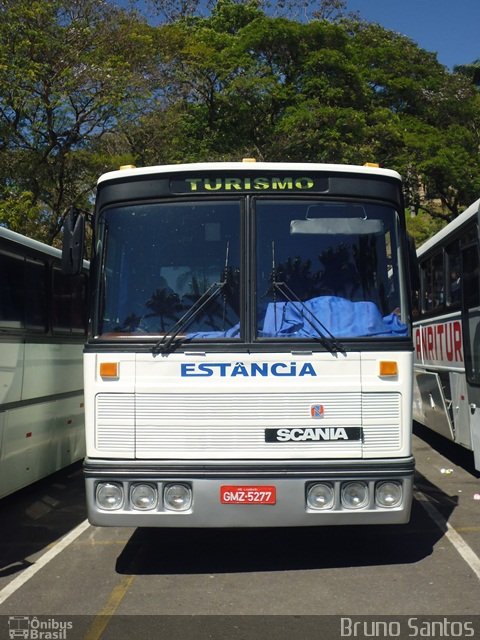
[[250, 356], [42, 332]]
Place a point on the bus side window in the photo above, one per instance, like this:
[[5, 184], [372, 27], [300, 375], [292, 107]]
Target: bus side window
[[453, 271], [12, 293], [36, 311], [432, 283]]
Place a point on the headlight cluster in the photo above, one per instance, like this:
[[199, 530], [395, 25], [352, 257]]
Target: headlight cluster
[[353, 495], [143, 496], [177, 497]]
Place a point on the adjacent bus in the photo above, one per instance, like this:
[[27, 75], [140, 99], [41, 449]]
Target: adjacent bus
[[42, 331], [250, 358], [447, 333]]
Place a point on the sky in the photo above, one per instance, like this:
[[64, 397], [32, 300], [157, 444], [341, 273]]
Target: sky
[[449, 28]]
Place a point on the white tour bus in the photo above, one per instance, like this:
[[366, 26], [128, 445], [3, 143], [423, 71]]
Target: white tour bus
[[447, 333], [250, 359], [42, 332]]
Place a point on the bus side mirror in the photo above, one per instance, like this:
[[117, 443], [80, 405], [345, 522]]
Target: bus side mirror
[[73, 242]]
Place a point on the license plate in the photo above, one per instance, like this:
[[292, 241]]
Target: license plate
[[233, 494]]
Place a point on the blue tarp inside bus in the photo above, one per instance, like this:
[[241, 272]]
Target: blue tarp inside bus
[[342, 318]]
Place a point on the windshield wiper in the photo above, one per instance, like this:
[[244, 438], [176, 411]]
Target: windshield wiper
[[169, 341], [326, 337]]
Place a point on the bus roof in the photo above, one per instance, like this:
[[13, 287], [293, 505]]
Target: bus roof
[[246, 167], [450, 228], [29, 242], [35, 245]]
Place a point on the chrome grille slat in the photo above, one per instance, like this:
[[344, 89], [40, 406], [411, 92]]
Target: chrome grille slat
[[245, 406], [232, 425]]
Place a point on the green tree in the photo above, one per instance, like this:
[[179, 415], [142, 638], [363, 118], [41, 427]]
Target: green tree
[[334, 89], [70, 71], [85, 86], [423, 226], [471, 71], [235, 75], [435, 117]]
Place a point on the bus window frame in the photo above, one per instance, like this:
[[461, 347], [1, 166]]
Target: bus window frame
[[454, 247], [429, 260]]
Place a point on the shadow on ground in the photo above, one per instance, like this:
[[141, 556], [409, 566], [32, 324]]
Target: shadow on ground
[[457, 454], [38, 515], [198, 551]]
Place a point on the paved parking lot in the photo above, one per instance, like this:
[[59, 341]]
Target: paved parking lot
[[114, 583]]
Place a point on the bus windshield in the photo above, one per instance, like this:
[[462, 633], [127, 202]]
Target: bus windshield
[[332, 261], [160, 259], [319, 270]]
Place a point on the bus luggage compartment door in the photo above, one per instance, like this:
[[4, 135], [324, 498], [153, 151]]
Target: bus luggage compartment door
[[461, 409], [434, 408]]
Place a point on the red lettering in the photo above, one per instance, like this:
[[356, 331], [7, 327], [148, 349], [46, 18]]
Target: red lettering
[[449, 342], [440, 342], [430, 343], [440, 330], [457, 341], [418, 344]]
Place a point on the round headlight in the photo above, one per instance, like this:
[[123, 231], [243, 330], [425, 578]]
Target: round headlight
[[143, 496], [388, 494], [109, 495], [320, 496], [177, 497], [354, 495]]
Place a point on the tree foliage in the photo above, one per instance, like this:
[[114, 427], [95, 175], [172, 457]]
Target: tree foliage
[[85, 86], [70, 71]]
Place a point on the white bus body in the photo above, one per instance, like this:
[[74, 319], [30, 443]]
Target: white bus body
[[229, 381], [447, 333], [42, 331]]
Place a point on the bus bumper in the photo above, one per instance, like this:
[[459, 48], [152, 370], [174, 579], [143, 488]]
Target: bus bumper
[[264, 494]]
